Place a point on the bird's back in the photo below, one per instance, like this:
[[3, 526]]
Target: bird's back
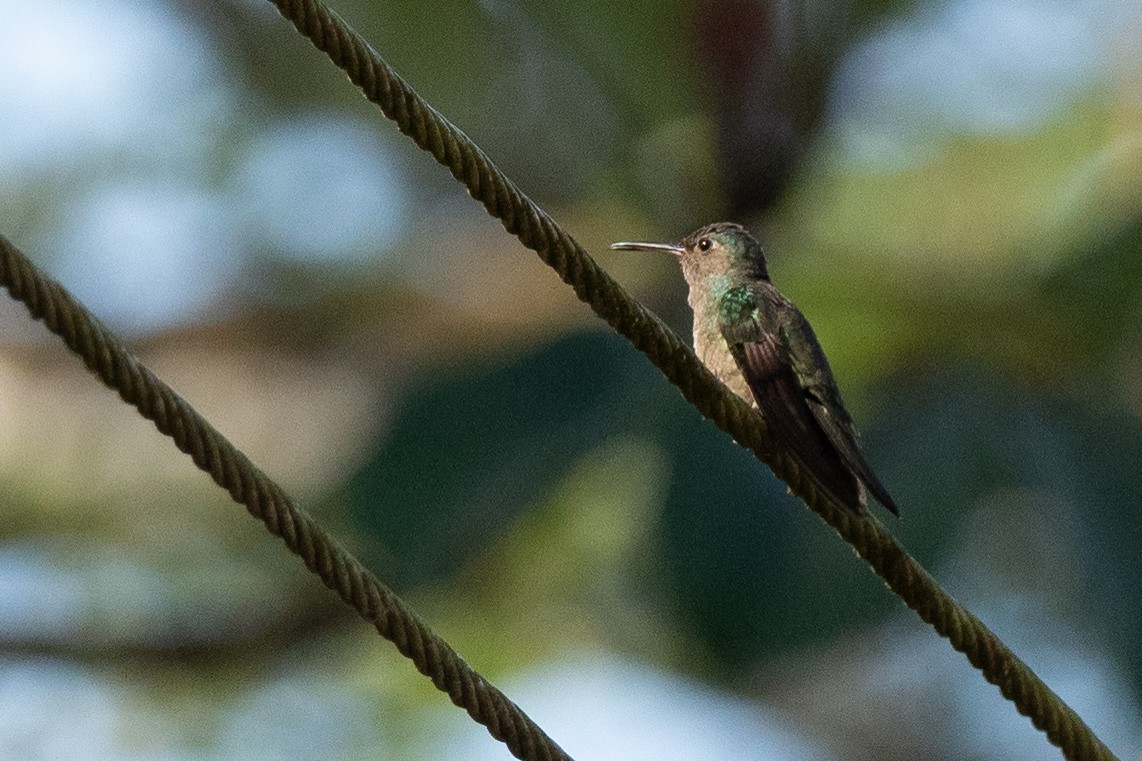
[[781, 363]]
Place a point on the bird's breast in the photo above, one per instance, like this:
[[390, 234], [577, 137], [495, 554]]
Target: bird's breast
[[715, 354]]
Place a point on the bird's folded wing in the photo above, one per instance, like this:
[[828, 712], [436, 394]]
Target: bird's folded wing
[[810, 368]]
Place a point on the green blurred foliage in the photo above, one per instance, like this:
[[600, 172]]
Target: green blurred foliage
[[544, 489]]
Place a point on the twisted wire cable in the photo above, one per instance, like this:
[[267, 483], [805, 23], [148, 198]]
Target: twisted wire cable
[[106, 357], [537, 231]]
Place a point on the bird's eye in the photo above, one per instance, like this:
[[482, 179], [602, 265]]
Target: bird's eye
[[704, 245]]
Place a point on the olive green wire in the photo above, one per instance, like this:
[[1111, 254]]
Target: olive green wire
[[538, 231]]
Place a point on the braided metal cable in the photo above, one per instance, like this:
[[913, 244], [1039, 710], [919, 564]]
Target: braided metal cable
[[537, 231], [107, 358]]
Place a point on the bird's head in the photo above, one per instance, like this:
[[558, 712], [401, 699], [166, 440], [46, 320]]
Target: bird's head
[[715, 251]]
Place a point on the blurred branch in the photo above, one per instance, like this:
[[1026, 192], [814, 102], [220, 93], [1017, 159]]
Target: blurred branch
[[106, 357], [539, 232]]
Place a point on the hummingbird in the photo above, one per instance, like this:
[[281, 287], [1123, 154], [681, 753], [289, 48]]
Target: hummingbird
[[757, 342]]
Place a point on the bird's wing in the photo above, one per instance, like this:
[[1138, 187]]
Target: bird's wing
[[800, 348], [762, 358]]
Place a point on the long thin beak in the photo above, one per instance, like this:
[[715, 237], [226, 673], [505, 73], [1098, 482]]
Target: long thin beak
[[670, 248]]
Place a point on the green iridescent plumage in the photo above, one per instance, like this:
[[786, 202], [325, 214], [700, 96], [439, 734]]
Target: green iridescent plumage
[[761, 346]]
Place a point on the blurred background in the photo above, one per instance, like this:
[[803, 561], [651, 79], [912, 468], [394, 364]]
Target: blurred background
[[950, 190]]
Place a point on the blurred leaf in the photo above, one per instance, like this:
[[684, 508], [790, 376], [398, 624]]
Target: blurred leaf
[[571, 573], [1094, 294], [469, 452]]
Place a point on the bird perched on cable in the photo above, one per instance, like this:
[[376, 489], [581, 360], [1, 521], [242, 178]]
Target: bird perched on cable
[[760, 345]]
